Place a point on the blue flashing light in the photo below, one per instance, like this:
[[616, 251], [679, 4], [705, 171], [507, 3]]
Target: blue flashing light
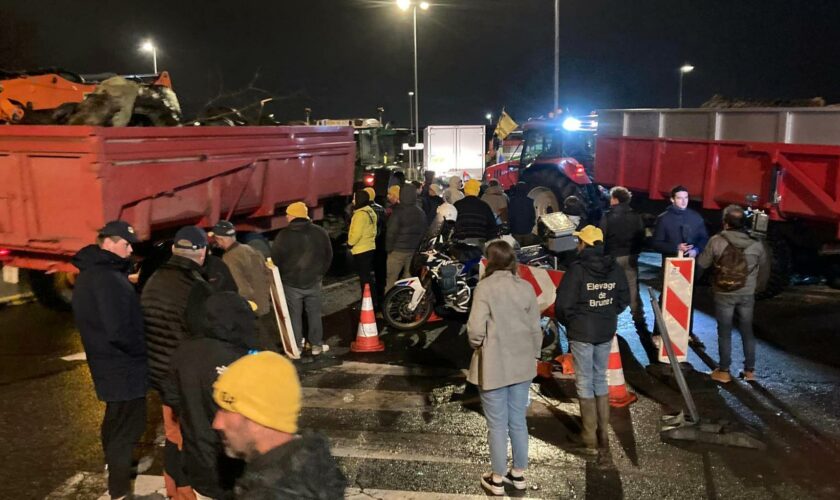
[[571, 124]]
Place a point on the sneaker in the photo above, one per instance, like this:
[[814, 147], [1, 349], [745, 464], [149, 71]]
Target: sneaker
[[721, 376], [491, 486], [317, 350], [748, 375], [517, 482]]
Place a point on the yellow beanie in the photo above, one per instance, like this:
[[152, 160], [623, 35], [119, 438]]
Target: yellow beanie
[[472, 187], [370, 192], [298, 210], [262, 387], [394, 190]]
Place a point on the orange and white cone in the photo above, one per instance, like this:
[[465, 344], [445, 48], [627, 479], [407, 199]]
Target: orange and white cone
[[619, 395], [367, 336]]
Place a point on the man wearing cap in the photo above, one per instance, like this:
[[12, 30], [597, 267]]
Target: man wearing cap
[[165, 301], [592, 294], [108, 316], [303, 252], [259, 399], [476, 221], [252, 279]]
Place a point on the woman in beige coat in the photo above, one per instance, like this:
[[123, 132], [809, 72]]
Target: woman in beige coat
[[504, 324]]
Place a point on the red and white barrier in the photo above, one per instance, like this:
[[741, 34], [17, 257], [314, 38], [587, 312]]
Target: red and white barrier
[[676, 305]]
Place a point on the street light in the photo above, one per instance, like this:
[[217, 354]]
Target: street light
[[404, 5], [148, 46], [685, 68], [489, 117]]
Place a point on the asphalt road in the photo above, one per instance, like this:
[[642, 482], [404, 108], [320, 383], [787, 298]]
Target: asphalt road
[[405, 421]]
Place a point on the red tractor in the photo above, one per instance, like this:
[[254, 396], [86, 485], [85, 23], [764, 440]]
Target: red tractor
[[558, 154]]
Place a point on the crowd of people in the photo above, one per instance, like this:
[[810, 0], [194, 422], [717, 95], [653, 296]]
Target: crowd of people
[[203, 334]]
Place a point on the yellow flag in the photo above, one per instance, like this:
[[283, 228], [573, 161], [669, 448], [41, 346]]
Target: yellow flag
[[505, 126]]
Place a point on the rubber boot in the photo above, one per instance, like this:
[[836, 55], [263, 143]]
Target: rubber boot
[[602, 404], [589, 416]]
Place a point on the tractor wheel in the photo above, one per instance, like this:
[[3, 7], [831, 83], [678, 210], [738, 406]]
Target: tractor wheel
[[777, 277], [552, 177], [54, 290]]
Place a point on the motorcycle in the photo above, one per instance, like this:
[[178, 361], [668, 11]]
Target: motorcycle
[[448, 274]]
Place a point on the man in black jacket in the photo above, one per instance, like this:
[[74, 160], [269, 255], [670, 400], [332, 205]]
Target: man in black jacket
[[195, 366], [589, 299], [303, 253], [476, 222], [259, 400], [109, 319], [624, 234], [522, 215], [165, 301], [406, 228], [380, 256]]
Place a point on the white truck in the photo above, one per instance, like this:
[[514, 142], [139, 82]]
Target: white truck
[[454, 150]]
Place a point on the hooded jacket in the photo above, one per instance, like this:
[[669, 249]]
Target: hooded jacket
[[362, 235], [165, 299], [109, 319], [475, 220], [301, 469], [407, 223], [498, 201], [754, 254], [624, 231], [675, 226], [453, 192], [521, 213], [302, 253], [592, 294], [194, 366]]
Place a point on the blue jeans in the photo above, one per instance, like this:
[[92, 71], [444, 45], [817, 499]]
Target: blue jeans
[[504, 408], [725, 307], [590, 368]]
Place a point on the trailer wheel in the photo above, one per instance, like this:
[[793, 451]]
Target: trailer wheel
[[777, 277], [54, 290], [832, 274]]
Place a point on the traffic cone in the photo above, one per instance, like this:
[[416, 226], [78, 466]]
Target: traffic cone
[[619, 395], [367, 336]]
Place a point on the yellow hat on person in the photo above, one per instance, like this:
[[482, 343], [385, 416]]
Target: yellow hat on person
[[370, 192], [590, 235], [262, 387], [472, 187], [394, 190], [298, 210]]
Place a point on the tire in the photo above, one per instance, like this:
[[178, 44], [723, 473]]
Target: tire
[[552, 177], [777, 277], [54, 291], [832, 274], [395, 309]]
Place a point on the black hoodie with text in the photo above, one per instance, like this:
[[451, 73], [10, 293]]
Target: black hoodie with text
[[590, 297]]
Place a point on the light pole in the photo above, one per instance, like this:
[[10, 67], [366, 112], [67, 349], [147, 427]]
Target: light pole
[[405, 5], [685, 68], [411, 126], [148, 46], [556, 55]]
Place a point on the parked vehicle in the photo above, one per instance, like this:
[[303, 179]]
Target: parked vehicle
[[454, 150]]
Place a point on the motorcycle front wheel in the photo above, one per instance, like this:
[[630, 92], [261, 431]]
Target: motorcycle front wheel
[[396, 312]]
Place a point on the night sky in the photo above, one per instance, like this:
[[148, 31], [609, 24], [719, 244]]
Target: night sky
[[344, 58]]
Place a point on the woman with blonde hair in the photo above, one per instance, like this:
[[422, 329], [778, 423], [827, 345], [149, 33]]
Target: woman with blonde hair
[[504, 328]]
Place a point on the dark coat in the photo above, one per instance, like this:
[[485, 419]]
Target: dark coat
[[475, 220], [624, 231], [301, 469], [675, 226], [165, 298], [407, 223], [217, 273], [430, 206], [592, 294], [194, 367], [302, 253], [109, 319], [521, 214]]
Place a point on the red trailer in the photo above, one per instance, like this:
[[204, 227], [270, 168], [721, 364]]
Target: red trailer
[[788, 157], [59, 184]]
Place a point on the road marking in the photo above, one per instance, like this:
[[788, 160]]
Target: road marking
[[399, 370], [368, 493], [79, 356], [363, 399], [352, 452]]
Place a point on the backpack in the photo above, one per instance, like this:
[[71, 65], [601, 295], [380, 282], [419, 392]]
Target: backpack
[[731, 269]]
